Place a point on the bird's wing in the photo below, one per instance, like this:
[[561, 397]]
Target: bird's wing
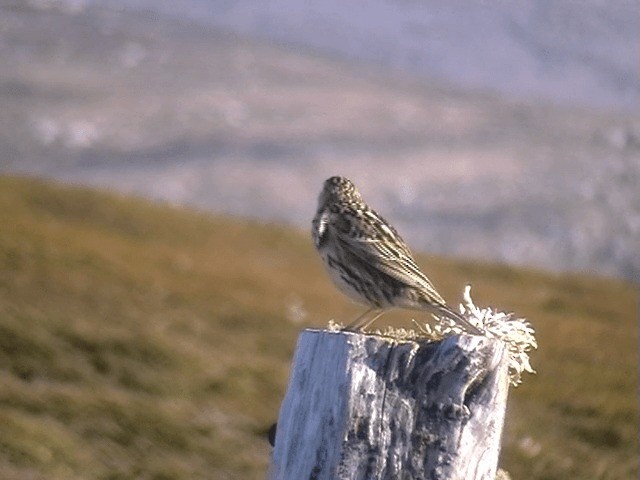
[[369, 237]]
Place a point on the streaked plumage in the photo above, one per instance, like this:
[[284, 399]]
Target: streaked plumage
[[367, 259]]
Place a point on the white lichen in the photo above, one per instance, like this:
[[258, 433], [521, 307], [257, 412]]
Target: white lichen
[[334, 326], [516, 333]]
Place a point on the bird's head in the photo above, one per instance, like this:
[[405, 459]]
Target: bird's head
[[338, 190]]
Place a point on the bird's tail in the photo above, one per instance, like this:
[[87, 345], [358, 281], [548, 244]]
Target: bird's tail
[[446, 311]]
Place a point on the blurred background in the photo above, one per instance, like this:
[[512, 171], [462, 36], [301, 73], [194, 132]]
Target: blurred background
[[506, 132], [152, 338]]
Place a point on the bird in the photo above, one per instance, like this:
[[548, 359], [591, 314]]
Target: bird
[[367, 259]]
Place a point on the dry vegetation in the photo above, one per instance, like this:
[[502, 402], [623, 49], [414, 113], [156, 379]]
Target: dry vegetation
[[139, 341]]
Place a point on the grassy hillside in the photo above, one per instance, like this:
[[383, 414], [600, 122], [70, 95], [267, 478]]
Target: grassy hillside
[[140, 341]]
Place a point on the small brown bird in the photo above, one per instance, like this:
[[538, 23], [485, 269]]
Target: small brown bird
[[367, 259]]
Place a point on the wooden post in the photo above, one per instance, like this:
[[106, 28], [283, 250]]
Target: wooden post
[[368, 407]]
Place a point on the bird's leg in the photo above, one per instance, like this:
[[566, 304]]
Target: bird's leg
[[361, 322], [369, 322], [352, 326]]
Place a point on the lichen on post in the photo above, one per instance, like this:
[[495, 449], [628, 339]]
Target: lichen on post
[[373, 407]]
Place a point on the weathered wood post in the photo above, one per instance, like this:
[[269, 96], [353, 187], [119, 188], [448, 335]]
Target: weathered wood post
[[369, 407]]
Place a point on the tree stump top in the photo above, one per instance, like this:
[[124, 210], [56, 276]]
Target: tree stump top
[[373, 407]]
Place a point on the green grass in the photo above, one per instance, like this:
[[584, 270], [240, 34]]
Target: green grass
[[140, 341]]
